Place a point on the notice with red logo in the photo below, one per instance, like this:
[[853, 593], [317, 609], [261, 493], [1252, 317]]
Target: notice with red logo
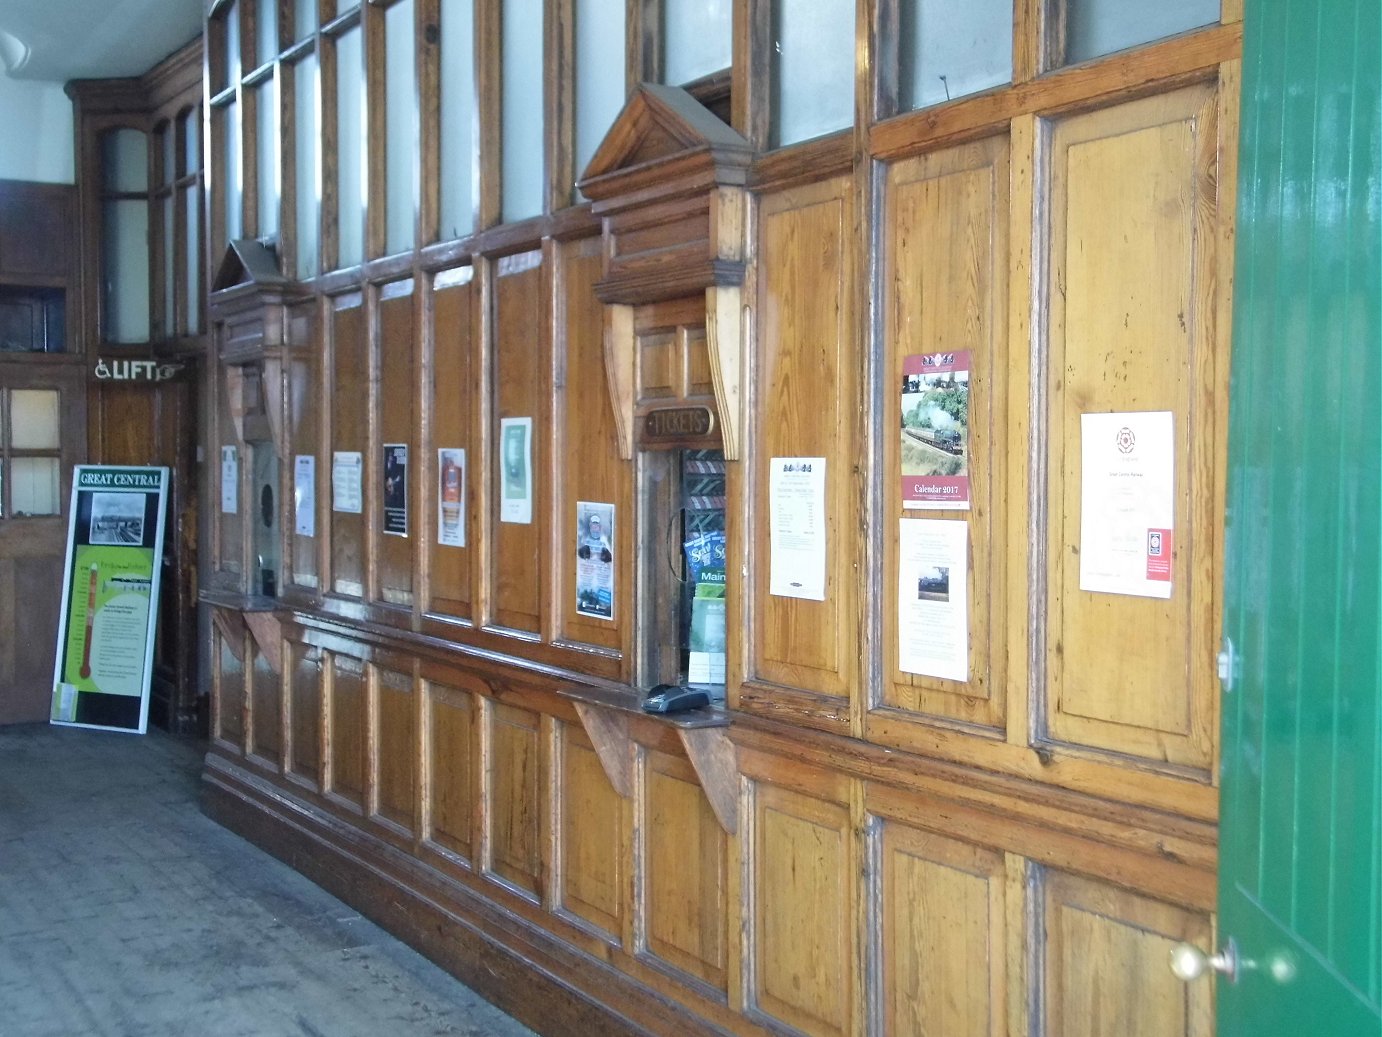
[[1127, 503], [934, 451]]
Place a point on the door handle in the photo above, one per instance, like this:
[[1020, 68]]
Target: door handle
[[1189, 962]]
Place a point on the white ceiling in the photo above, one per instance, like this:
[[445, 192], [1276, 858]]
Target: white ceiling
[[58, 40]]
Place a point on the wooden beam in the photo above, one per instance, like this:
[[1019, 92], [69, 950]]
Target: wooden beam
[[608, 731], [716, 762], [619, 373]]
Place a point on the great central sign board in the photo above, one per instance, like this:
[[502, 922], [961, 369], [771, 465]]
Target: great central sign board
[[109, 598]]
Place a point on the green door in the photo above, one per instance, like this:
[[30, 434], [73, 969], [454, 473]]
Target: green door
[[1301, 852]]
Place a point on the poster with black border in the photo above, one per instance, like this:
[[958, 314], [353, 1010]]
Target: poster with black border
[[105, 645], [396, 489]]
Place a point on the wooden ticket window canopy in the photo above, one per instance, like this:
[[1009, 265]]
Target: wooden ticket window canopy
[[668, 183], [248, 311]]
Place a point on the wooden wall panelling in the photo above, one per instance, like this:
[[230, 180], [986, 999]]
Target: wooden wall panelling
[[559, 102], [376, 136], [944, 285], [347, 725], [513, 801], [589, 466], [394, 748], [941, 919], [1132, 991], [806, 388], [265, 742], [305, 400], [228, 728], [452, 765], [592, 838], [397, 422], [304, 700], [350, 395], [450, 389], [1132, 328], [520, 391], [488, 77], [682, 862], [800, 872], [230, 531]]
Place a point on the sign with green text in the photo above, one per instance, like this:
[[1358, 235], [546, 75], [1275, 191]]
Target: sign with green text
[[109, 598]]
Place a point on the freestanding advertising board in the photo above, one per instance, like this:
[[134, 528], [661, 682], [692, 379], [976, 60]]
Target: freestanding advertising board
[[109, 598]]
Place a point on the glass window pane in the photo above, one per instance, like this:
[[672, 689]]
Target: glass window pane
[[193, 201], [401, 156], [1096, 27], [304, 18], [34, 423], [458, 151], [350, 131], [599, 80], [169, 266], [125, 249], [946, 51], [233, 44], [812, 69], [192, 134], [266, 30], [233, 182], [308, 143], [34, 486], [267, 139], [521, 125], [698, 38], [342, 6], [124, 161]]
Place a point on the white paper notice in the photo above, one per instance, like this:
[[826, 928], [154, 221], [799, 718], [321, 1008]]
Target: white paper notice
[[796, 505], [305, 495], [933, 598], [1127, 503], [347, 479], [230, 480]]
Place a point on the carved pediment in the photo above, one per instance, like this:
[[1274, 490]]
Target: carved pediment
[[248, 262], [248, 302], [659, 126]]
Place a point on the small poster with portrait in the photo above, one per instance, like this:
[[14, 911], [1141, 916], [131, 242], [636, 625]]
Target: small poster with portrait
[[396, 489], [516, 470], [595, 560]]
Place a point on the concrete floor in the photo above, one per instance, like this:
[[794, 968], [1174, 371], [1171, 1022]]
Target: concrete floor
[[126, 913]]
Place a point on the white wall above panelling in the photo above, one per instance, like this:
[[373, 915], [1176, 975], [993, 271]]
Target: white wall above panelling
[[37, 118]]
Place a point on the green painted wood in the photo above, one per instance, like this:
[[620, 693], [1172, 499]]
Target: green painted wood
[[1301, 837]]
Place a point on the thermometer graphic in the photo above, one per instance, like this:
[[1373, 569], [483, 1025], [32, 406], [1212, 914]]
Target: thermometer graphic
[[90, 618]]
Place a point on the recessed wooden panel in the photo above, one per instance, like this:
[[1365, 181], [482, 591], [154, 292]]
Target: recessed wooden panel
[[451, 763], [520, 351], [945, 289], [513, 807], [1133, 217], [348, 729], [304, 436], [396, 746], [349, 432], [592, 469], [684, 872], [1106, 964], [397, 420], [304, 711], [266, 712], [699, 381], [943, 936], [230, 694], [592, 837], [803, 942], [657, 366], [229, 526], [452, 424], [807, 362]]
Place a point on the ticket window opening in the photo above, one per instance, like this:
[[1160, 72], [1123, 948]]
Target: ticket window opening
[[682, 571], [264, 508]]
